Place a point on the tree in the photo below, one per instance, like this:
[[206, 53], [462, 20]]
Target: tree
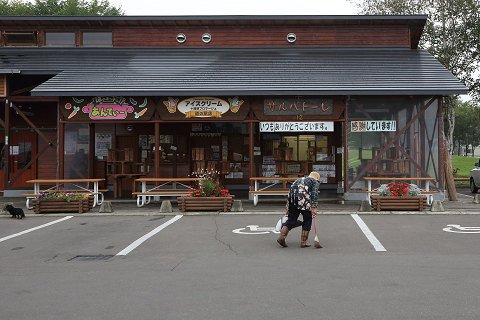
[[452, 35], [59, 8], [467, 130], [452, 32]]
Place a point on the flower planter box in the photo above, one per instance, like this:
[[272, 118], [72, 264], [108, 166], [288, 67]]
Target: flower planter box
[[390, 203], [205, 203], [60, 206]]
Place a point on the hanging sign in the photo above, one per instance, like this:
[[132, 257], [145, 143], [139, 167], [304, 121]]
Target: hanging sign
[[297, 106], [373, 126], [317, 126], [107, 108], [203, 107]]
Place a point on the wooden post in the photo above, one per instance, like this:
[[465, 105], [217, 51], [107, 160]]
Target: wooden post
[[6, 168], [157, 152], [252, 174], [61, 149], [441, 134], [346, 187], [452, 190]]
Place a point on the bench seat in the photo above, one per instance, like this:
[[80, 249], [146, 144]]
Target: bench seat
[[270, 192], [162, 193], [267, 192], [144, 198]]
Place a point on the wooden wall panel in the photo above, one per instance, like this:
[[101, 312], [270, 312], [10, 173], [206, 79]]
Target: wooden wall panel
[[3, 86], [47, 163], [397, 36]]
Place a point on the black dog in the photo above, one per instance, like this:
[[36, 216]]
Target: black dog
[[15, 212]]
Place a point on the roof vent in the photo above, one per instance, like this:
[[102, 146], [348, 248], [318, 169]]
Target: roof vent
[[181, 38], [206, 37], [291, 37]]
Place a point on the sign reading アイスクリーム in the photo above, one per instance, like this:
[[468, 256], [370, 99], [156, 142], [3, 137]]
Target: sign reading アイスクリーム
[[203, 107]]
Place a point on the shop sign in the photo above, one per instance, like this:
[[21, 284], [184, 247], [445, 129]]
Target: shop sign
[[203, 107], [298, 106], [107, 108], [373, 126], [317, 126]]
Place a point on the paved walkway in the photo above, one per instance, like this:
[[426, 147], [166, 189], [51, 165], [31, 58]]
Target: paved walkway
[[464, 205]]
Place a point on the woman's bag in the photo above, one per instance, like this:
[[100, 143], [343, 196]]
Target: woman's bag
[[280, 223]]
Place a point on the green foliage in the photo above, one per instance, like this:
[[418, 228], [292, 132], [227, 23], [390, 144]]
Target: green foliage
[[58, 195], [467, 124], [59, 8], [207, 187], [452, 33]]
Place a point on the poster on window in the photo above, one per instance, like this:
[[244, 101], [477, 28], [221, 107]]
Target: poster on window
[[103, 142]]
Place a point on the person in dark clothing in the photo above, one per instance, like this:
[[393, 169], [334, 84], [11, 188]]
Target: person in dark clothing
[[302, 199]]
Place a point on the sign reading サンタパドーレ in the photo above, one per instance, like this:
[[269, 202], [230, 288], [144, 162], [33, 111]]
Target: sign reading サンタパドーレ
[[297, 106]]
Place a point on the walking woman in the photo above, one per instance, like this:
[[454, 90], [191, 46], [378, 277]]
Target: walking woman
[[302, 199]]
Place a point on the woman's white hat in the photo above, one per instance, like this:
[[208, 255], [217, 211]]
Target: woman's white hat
[[315, 175]]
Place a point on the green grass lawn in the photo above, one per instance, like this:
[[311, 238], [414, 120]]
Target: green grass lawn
[[464, 165]]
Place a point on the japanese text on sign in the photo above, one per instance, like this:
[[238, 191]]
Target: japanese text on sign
[[296, 126], [314, 106], [373, 126]]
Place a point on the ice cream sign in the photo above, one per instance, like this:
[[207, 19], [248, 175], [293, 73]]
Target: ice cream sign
[[203, 107], [106, 108]]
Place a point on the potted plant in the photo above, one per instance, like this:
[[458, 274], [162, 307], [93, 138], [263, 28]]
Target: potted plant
[[207, 194], [58, 201], [398, 196]]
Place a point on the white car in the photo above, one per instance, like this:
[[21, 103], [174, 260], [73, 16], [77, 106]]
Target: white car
[[475, 178]]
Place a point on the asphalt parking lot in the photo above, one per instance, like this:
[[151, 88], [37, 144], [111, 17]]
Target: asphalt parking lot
[[230, 267]]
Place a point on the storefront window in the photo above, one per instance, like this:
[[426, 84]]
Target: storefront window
[[76, 151], [292, 155], [391, 137]]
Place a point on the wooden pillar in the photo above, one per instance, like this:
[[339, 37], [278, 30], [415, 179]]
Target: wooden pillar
[[6, 169], [252, 143], [346, 187], [441, 144], [157, 151], [61, 149], [91, 151]]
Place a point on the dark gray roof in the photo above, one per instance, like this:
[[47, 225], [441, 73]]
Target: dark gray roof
[[274, 71]]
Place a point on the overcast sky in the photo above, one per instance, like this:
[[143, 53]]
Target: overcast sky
[[235, 7]]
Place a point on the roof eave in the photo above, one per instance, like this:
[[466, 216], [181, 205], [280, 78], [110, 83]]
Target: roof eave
[[180, 93]]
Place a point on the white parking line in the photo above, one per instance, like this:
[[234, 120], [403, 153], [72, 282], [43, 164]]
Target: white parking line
[[369, 234], [35, 228], [141, 240]]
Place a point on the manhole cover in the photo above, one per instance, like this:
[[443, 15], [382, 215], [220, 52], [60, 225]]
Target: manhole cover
[[100, 257]]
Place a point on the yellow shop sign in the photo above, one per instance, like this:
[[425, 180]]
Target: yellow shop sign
[[203, 107]]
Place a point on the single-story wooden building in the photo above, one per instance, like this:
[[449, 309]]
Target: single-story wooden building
[[248, 96]]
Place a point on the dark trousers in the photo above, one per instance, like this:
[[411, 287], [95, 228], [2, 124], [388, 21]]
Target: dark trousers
[[294, 213]]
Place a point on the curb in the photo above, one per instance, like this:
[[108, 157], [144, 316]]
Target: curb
[[244, 213]]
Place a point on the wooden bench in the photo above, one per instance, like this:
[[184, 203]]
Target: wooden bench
[[159, 193], [271, 188], [167, 187], [31, 196], [58, 184]]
